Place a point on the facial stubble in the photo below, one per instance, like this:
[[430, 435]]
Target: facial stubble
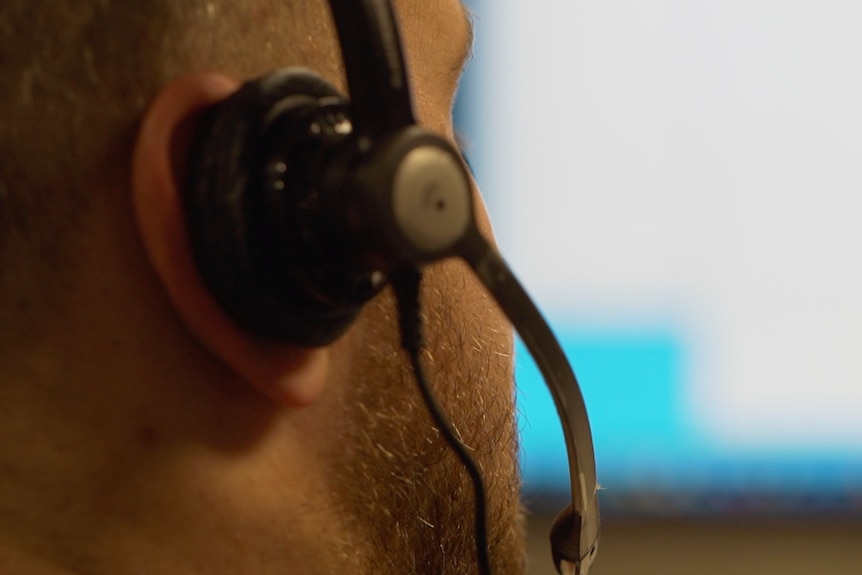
[[402, 493]]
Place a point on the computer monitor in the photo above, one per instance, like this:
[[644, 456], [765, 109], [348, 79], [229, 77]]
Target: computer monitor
[[678, 184]]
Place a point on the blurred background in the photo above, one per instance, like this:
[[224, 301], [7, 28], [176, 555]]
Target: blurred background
[[678, 184]]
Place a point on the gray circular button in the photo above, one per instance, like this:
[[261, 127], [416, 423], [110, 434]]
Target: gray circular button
[[431, 199]]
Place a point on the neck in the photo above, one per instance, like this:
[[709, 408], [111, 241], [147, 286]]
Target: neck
[[157, 460], [170, 477], [126, 448]]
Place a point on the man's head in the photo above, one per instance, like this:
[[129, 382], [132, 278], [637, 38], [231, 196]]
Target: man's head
[[141, 428]]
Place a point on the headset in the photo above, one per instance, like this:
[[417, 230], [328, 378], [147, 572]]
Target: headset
[[302, 205]]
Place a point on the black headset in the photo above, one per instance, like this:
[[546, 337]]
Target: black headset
[[302, 205]]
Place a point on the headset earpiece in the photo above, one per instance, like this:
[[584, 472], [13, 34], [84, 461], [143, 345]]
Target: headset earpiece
[[295, 221], [254, 204]]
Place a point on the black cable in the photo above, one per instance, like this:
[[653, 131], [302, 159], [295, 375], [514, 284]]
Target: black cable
[[406, 283]]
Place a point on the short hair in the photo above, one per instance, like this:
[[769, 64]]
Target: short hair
[[77, 76]]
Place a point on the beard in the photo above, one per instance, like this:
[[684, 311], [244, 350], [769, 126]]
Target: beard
[[399, 488]]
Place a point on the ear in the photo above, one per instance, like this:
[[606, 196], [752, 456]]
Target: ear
[[289, 374]]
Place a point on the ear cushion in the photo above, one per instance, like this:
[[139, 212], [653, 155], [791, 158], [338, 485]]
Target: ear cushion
[[259, 284]]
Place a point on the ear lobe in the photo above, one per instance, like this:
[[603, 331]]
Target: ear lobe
[[291, 375]]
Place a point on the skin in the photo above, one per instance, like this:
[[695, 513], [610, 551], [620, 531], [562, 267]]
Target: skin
[[144, 433]]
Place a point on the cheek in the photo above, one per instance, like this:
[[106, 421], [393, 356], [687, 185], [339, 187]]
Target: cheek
[[483, 219], [438, 118], [434, 98], [467, 331]]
